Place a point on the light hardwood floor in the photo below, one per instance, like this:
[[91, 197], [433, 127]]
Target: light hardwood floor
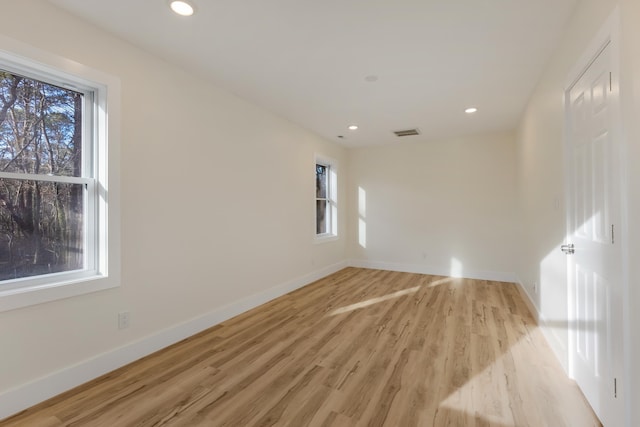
[[358, 348]]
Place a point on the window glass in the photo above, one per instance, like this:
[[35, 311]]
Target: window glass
[[321, 216], [40, 127], [323, 208], [44, 187], [321, 181], [41, 228]]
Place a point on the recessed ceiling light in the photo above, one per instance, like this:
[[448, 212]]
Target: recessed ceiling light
[[182, 8], [471, 110], [353, 127]]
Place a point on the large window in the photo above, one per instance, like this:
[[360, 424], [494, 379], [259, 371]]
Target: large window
[[53, 187], [46, 179], [326, 200]]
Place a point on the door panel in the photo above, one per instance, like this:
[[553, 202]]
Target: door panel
[[594, 268]]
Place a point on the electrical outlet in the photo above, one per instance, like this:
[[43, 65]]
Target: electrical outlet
[[123, 320]]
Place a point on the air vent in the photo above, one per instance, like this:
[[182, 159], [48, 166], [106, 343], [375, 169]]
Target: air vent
[[407, 132]]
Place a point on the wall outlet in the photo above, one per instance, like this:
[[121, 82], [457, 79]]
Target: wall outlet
[[123, 320]]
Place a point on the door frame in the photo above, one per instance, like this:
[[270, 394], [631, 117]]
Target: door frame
[[607, 36]]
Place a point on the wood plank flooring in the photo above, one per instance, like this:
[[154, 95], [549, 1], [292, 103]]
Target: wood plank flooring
[[358, 348]]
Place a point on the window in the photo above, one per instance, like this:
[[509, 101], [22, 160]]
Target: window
[[46, 185], [326, 206], [54, 202], [323, 221]]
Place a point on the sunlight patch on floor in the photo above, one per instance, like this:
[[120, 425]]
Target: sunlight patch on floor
[[482, 397], [485, 390], [439, 282], [398, 294], [373, 301]]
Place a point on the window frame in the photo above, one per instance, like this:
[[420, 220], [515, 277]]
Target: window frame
[[100, 177], [331, 197]]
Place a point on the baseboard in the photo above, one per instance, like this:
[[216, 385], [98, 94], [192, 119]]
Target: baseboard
[[557, 346], [434, 270], [27, 395]]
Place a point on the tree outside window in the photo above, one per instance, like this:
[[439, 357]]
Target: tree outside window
[[43, 181]]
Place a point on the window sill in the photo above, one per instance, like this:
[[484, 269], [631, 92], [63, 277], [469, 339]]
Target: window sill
[[11, 299], [325, 238]]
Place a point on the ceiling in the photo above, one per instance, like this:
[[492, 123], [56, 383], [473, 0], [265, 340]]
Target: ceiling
[[310, 60]]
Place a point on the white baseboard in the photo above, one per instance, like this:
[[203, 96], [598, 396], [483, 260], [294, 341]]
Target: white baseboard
[[434, 270], [557, 346], [27, 395]]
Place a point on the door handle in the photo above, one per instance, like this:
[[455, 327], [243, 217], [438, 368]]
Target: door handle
[[568, 249]]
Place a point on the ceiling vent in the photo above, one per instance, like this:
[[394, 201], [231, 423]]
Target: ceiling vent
[[407, 132]]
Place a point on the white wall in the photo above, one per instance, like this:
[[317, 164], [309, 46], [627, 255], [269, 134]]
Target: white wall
[[540, 180], [217, 206], [441, 207]]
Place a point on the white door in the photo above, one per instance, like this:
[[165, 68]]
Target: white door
[[595, 267]]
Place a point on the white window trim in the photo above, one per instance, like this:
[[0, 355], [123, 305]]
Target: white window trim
[[332, 196], [106, 272]]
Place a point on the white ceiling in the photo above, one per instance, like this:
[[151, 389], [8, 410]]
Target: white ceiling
[[307, 59]]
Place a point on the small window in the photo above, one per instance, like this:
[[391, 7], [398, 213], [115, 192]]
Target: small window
[[53, 199], [326, 200], [323, 221]]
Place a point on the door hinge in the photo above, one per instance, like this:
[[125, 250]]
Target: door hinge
[[615, 388], [613, 240]]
